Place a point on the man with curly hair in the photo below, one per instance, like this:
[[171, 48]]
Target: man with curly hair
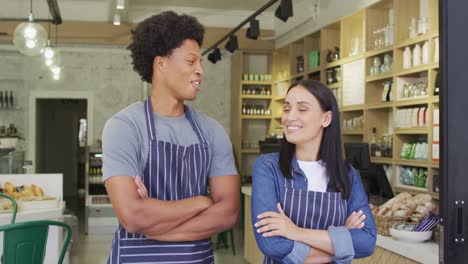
[[160, 156]]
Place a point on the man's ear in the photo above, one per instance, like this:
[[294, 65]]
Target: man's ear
[[159, 63], [327, 119]]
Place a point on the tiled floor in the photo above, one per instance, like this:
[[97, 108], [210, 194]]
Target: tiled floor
[[94, 248]]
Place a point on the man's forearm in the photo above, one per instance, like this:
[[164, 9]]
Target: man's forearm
[[213, 220], [159, 217]]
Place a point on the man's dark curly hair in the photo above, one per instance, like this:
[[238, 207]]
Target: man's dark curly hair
[[158, 36]]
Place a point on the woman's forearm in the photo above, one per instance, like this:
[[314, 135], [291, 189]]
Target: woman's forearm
[[318, 239], [317, 256]]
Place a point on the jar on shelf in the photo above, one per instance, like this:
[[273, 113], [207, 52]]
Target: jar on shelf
[[407, 58]]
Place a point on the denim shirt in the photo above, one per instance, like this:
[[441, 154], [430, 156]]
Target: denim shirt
[[268, 190]]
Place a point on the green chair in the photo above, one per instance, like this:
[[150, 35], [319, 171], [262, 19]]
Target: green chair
[[25, 243]]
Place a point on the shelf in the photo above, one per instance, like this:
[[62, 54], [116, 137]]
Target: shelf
[[380, 106], [253, 96], [352, 108], [353, 58], [410, 131], [334, 85], [333, 64], [412, 70], [255, 83], [434, 165], [379, 51], [256, 117], [416, 163], [434, 35], [410, 188], [352, 132], [297, 75], [379, 77], [382, 160], [314, 70], [434, 66], [412, 41], [282, 80], [277, 117], [250, 151], [280, 98], [10, 109], [408, 102], [434, 99], [435, 195]]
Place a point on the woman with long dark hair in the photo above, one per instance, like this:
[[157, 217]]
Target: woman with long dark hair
[[308, 205]]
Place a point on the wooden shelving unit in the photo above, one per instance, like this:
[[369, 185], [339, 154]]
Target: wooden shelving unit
[[378, 110]]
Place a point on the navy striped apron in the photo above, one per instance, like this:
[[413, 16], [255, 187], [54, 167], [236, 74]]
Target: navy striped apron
[[173, 172], [312, 210]]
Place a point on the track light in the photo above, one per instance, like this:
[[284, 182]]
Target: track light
[[284, 10], [232, 45], [254, 30], [215, 56]]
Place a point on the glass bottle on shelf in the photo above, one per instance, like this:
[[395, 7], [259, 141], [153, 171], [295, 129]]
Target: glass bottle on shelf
[[373, 142], [417, 55], [425, 52], [407, 58]]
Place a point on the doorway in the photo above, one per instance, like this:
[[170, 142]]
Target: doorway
[[57, 144]]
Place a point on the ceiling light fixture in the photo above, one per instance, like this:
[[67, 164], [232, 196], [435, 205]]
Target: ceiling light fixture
[[30, 38], [117, 20], [51, 54], [284, 10], [120, 4], [215, 56], [232, 45], [254, 30]]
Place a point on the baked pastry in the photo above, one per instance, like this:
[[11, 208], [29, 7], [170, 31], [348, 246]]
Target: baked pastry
[[37, 191]]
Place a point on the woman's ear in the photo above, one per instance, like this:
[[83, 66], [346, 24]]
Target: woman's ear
[[327, 119]]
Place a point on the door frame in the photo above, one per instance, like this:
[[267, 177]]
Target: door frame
[[54, 94], [453, 247]]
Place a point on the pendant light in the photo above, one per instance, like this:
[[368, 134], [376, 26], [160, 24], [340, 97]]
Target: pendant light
[[51, 53], [56, 68], [30, 38]]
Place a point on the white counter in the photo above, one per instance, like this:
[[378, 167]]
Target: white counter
[[426, 253], [52, 186]]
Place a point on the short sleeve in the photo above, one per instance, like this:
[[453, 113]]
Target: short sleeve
[[120, 149], [222, 162]]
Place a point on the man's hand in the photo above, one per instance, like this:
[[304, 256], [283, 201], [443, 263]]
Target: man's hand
[[276, 224], [143, 192], [141, 188]]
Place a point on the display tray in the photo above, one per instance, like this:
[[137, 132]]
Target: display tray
[[42, 203], [97, 200]]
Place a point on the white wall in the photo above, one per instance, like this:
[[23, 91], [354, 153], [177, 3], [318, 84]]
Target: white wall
[[107, 73]]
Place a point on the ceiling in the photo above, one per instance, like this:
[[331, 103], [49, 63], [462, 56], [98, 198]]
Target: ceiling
[[220, 13], [211, 13]]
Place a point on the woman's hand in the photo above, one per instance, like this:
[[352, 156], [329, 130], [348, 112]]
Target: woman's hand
[[141, 188], [355, 220], [276, 224]]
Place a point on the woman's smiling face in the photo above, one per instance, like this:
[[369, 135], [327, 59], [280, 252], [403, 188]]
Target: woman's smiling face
[[303, 118]]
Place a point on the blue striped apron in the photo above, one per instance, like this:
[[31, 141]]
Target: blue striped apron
[[173, 172], [312, 210]]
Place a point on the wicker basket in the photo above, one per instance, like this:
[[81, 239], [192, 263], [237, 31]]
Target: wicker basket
[[384, 223]]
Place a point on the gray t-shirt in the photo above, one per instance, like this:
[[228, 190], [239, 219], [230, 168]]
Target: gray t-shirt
[[125, 141]]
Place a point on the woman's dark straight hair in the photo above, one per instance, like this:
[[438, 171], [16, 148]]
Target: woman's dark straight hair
[[330, 148]]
